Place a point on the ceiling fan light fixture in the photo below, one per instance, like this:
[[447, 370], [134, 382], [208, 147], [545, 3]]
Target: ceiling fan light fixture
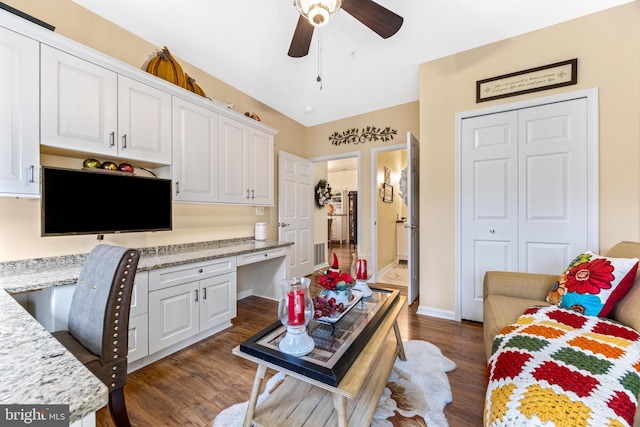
[[318, 12]]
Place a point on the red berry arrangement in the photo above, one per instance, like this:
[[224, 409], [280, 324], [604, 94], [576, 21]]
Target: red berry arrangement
[[326, 307]]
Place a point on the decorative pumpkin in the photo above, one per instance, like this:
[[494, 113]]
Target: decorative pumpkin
[[192, 86], [166, 67]]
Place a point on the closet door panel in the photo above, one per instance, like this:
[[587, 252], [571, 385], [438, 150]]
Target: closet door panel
[[489, 216], [553, 190]]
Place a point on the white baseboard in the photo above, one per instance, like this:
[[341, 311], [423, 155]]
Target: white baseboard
[[244, 294], [387, 269], [436, 312]]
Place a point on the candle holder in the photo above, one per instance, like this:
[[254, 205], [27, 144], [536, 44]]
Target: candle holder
[[295, 311], [362, 274]]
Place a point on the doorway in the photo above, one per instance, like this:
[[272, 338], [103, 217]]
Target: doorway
[[342, 172], [390, 215]]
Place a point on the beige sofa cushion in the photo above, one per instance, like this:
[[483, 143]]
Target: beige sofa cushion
[[627, 310], [500, 311]]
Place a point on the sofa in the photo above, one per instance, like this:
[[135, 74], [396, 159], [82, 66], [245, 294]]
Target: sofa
[[508, 294]]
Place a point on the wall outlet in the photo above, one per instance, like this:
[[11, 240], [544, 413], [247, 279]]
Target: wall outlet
[[259, 210]]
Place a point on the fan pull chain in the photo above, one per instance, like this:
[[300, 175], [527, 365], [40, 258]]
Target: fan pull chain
[[319, 78]]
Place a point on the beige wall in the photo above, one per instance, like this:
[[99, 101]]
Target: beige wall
[[20, 219], [606, 45], [404, 118], [344, 180]]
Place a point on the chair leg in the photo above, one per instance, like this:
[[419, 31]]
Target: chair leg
[[118, 409]]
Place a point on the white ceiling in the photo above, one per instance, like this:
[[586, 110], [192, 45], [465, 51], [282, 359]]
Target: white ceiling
[[342, 165], [245, 42]]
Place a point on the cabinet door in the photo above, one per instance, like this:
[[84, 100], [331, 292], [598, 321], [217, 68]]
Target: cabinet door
[[195, 152], [234, 158], [261, 168], [19, 119], [336, 228], [218, 300], [173, 315], [144, 122], [138, 339], [140, 294], [78, 104]]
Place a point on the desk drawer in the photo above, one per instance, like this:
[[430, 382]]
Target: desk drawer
[[171, 276], [252, 257]]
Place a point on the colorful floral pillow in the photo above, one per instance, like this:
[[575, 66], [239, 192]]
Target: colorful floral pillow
[[592, 284]]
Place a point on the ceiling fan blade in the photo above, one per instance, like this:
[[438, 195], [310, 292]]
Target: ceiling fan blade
[[378, 18], [301, 38]]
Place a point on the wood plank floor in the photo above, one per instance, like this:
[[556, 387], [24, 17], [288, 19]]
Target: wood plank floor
[[190, 387]]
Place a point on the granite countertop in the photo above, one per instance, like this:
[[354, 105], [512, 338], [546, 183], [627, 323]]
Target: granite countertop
[[37, 369], [36, 274]]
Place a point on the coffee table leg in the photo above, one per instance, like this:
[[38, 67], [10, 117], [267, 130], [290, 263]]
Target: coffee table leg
[[401, 354], [340, 403], [257, 383]]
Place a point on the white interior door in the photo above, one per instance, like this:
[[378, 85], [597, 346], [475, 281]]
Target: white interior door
[[524, 193], [413, 208], [295, 211]]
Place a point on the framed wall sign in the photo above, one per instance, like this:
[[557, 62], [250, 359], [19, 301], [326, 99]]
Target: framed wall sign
[[387, 195], [550, 76]]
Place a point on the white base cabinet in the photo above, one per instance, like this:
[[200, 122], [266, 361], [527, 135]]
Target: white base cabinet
[[187, 299], [139, 318], [402, 241]]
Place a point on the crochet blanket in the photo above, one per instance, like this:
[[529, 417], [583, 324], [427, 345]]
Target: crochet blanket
[[557, 367]]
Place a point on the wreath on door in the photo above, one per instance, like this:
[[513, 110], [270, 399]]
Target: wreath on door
[[323, 193]]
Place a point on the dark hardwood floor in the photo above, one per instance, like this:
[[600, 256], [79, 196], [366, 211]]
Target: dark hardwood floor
[[190, 387]]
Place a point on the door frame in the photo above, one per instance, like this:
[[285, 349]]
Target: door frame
[[374, 203], [593, 220], [348, 155]]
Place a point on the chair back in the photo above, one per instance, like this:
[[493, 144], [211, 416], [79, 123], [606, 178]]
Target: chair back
[[99, 314]]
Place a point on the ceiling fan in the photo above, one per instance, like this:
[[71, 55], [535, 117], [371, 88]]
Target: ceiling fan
[[315, 13]]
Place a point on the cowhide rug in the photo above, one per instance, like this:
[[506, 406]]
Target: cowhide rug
[[416, 393]]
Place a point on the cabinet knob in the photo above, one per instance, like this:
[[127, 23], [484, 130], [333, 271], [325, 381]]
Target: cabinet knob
[[200, 270], [112, 139], [124, 141], [492, 230], [266, 255]]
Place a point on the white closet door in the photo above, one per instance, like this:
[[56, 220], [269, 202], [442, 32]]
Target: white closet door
[[488, 204], [553, 189], [525, 194]]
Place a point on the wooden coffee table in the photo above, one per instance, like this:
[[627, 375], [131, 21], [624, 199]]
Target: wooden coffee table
[[302, 400]]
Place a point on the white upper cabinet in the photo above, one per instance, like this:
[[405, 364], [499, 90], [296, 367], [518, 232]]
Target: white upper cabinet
[[144, 122], [89, 109], [246, 164], [19, 113], [261, 177], [195, 153]]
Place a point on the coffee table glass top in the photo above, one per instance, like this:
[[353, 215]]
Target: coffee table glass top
[[337, 345]]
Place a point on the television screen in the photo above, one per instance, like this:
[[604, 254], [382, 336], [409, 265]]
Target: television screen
[[94, 202]]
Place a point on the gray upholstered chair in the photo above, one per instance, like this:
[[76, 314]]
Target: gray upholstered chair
[[99, 320]]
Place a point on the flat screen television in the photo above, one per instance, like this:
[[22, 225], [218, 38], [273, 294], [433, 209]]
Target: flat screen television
[[93, 202]]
